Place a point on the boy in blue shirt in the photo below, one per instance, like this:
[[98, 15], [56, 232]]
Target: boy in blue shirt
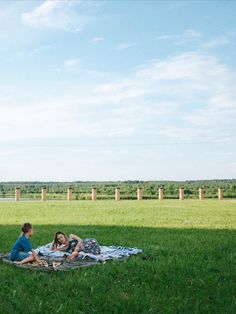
[[22, 251]]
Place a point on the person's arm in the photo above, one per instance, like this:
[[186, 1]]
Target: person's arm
[[36, 258], [74, 237], [59, 248], [26, 245]]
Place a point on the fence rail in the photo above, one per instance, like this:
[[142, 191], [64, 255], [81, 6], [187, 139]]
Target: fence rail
[[94, 195]]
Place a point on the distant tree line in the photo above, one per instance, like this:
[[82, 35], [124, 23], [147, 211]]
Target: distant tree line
[[105, 190]]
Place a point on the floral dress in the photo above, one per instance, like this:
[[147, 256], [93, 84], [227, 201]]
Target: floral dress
[[90, 245], [71, 246]]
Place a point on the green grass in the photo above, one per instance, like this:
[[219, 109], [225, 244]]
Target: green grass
[[188, 264]]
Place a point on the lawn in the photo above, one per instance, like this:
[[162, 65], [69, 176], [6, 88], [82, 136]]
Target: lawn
[[188, 264]]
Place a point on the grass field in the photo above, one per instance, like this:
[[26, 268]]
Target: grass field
[[188, 264]]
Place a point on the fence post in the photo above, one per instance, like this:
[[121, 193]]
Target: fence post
[[161, 194], [69, 194], [94, 194], [201, 194], [44, 194], [17, 194], [139, 194], [181, 193], [220, 194], [117, 194]]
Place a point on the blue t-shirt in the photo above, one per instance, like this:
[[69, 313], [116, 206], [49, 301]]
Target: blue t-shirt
[[22, 245]]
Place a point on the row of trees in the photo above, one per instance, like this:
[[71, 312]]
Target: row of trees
[[105, 190]]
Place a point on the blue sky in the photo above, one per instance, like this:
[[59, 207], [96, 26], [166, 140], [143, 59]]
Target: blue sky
[[117, 90]]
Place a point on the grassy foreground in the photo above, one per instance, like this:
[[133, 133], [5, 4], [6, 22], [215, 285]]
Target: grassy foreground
[[188, 264]]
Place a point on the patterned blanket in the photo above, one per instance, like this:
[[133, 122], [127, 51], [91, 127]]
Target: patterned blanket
[[56, 261]]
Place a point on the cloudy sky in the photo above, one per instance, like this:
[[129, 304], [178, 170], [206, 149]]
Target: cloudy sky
[[115, 90]]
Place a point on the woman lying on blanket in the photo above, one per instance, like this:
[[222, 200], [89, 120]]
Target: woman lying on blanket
[[22, 251], [73, 245]]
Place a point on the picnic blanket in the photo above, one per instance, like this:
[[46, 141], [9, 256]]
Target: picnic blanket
[[56, 261]]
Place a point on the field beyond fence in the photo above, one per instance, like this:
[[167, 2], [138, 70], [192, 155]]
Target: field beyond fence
[[126, 190]]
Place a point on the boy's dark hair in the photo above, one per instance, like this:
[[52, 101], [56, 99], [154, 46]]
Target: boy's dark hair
[[26, 227]]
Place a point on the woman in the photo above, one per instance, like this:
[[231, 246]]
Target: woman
[[22, 251], [74, 244]]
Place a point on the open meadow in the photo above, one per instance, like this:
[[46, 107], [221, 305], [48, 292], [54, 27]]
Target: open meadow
[[188, 264]]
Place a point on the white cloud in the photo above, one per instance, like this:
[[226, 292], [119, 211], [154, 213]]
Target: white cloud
[[165, 37], [31, 52], [61, 15], [143, 118], [219, 41], [97, 39], [197, 90], [193, 36], [184, 133], [185, 37], [123, 46], [41, 49], [110, 87], [71, 64], [190, 97]]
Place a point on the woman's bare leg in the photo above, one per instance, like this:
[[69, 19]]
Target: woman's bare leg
[[26, 260], [73, 255], [31, 258]]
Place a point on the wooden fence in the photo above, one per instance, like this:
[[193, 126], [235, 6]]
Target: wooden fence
[[117, 195]]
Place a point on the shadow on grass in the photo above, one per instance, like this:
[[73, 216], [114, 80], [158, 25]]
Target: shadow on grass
[[180, 271]]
